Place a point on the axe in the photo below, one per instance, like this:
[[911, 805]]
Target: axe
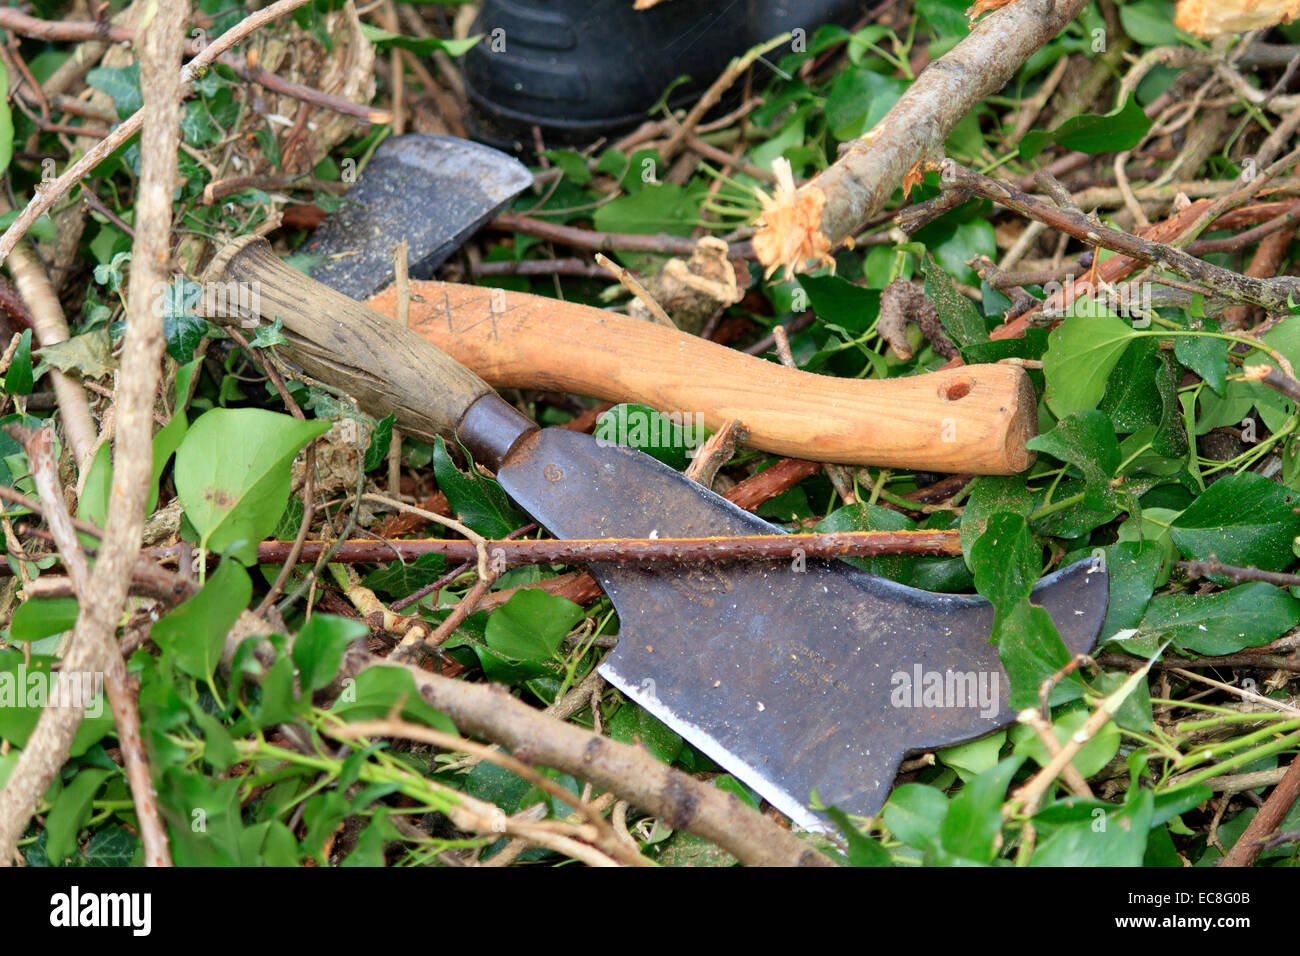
[[796, 675], [434, 191]]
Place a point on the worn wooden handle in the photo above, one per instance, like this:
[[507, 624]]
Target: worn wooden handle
[[342, 342], [975, 419]]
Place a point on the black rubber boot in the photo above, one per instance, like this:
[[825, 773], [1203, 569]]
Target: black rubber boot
[[581, 69]]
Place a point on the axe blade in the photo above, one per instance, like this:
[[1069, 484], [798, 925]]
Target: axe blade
[[792, 675], [433, 191]]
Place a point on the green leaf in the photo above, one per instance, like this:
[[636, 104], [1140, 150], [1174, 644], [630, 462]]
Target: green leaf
[[1206, 356], [70, 813], [318, 648], [1094, 755], [398, 580], [1114, 132], [1085, 440], [863, 851], [232, 475], [194, 634], [915, 813], [113, 846], [19, 379], [667, 438], [1081, 352], [377, 691], [479, 502], [1114, 838], [1032, 651], [960, 319], [383, 39], [859, 99], [42, 617], [1151, 23], [969, 240], [1006, 560], [380, 441], [1143, 390], [1243, 520], [973, 758], [120, 83], [1246, 616], [6, 122], [93, 504], [973, 823], [531, 625], [990, 496], [1134, 568], [636, 725], [89, 354], [841, 303], [26, 686], [659, 207]]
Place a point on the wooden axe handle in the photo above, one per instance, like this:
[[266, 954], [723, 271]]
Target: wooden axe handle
[[973, 420]]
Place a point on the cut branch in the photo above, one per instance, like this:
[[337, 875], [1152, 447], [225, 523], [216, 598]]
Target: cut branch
[[837, 204]]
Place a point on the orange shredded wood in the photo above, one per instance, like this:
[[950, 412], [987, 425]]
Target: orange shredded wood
[[1212, 18]]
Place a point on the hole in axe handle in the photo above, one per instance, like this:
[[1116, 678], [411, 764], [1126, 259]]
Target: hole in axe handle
[[956, 390]]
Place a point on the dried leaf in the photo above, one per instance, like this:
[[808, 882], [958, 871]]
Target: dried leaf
[[90, 354]]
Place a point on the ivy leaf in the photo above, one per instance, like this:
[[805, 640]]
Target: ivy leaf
[[838, 302], [1134, 569], [1143, 390], [960, 319], [194, 634], [1250, 615], [973, 823], [478, 501], [90, 354], [70, 813], [1206, 356], [531, 625], [1093, 133], [636, 725], [424, 46], [1081, 352], [865, 517], [122, 84], [19, 379], [990, 496], [1032, 651], [1085, 440], [378, 691], [914, 814], [1243, 520], [232, 475], [1111, 836], [863, 851], [659, 207], [319, 646], [1006, 560]]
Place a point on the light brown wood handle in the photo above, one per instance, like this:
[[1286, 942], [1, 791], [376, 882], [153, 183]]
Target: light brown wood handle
[[344, 343], [974, 419]]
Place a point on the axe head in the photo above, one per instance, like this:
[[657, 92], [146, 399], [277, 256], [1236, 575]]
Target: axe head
[[433, 191], [793, 675]]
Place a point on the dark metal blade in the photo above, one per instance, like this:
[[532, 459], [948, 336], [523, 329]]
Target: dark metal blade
[[433, 191], [793, 675]]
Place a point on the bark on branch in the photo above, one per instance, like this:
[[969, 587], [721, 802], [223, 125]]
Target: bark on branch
[[807, 223]]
